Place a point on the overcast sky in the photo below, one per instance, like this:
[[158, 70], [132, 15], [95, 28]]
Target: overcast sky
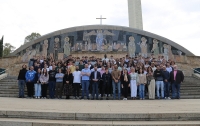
[[177, 20]]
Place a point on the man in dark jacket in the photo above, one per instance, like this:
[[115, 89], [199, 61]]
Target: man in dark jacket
[[95, 78], [52, 82], [22, 81], [166, 80], [176, 78], [158, 75]]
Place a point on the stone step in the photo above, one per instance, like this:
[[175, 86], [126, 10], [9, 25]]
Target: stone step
[[40, 122], [101, 116]]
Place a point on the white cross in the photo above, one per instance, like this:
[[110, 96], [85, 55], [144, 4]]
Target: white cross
[[101, 19]]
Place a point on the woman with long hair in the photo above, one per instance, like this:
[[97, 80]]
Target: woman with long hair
[[67, 81], [141, 82], [44, 78], [133, 83], [150, 83], [125, 83]]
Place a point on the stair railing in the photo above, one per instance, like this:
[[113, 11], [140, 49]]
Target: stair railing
[[195, 70]]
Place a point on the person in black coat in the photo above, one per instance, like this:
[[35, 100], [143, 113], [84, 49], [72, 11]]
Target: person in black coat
[[22, 80], [67, 81], [176, 78], [106, 77], [125, 83], [95, 78]]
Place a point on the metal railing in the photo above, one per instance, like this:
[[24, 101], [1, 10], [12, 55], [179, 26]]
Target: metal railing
[[194, 69], [2, 71]]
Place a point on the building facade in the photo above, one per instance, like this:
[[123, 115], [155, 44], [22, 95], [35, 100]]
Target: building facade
[[100, 39]]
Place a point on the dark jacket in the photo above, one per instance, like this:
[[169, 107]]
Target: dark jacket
[[125, 82], [158, 75], [68, 77], [179, 77], [37, 78], [52, 74], [93, 77], [22, 74], [166, 75], [107, 78]]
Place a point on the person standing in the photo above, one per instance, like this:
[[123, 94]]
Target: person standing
[[76, 82], [141, 82], [21, 80], [59, 83], [150, 83], [133, 83], [106, 77], [30, 79], [85, 81], [116, 74], [68, 79], [95, 78], [44, 78], [176, 78], [158, 75], [125, 83], [166, 78], [52, 82], [37, 84]]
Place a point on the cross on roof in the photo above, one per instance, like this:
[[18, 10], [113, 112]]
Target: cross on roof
[[101, 19]]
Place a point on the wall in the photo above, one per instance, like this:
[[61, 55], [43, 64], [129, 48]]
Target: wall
[[185, 63]]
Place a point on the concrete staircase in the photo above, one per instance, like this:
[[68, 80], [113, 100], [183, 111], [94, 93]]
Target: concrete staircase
[[190, 89], [52, 112]]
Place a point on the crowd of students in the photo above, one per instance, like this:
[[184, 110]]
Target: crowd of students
[[99, 78]]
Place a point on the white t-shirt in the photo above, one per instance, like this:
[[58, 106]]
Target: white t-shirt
[[77, 77]]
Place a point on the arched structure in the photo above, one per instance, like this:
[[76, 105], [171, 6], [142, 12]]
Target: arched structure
[[101, 38]]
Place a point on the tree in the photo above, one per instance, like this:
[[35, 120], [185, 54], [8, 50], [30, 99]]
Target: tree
[[31, 37], [1, 47], [7, 49]]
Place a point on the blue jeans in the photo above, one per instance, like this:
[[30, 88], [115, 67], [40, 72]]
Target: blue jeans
[[166, 89], [160, 85], [95, 89], [37, 90], [85, 85], [21, 85], [175, 90], [141, 90], [52, 86], [118, 85]]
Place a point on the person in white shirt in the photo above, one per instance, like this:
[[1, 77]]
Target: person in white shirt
[[168, 68], [76, 82]]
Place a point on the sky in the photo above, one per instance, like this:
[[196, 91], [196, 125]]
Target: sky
[[177, 20]]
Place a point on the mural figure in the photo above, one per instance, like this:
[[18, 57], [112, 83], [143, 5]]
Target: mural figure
[[56, 47], [86, 46], [124, 47], [165, 54], [26, 55], [100, 37], [155, 48], [44, 48], [143, 46], [179, 52], [67, 46], [170, 54], [131, 46], [110, 47], [37, 49]]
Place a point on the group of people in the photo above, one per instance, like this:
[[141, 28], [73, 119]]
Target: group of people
[[99, 78]]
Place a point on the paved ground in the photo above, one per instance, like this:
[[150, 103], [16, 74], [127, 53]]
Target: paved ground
[[101, 106]]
